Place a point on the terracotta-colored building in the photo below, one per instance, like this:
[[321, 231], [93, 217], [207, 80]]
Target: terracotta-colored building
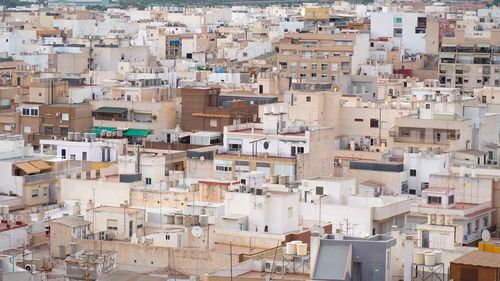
[[205, 109]]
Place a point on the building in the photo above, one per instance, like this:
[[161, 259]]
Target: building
[[206, 109], [361, 209], [257, 209], [90, 265], [14, 234], [66, 230], [469, 59], [322, 57], [120, 223], [276, 148], [342, 258], [84, 149], [482, 264]]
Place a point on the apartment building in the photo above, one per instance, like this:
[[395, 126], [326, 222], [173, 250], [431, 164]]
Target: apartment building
[[322, 57], [470, 60], [275, 148], [206, 109]]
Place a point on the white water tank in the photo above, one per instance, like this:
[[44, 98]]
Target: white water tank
[[419, 257], [291, 248], [439, 256], [430, 259], [301, 249]]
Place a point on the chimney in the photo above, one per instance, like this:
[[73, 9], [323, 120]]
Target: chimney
[[408, 258]]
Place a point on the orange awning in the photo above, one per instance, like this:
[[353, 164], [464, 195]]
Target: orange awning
[[41, 165], [27, 168]]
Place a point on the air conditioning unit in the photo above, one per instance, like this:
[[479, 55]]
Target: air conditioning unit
[[58, 114], [30, 267]]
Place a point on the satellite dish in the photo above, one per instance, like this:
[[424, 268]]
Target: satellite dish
[[197, 231], [202, 158], [485, 235]]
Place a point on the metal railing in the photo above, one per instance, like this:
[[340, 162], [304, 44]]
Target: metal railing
[[51, 175]]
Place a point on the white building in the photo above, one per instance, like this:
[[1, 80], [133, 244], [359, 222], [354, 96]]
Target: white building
[[421, 164], [336, 200], [102, 150], [410, 27]]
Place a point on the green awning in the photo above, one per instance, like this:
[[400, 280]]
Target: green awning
[[136, 133], [98, 130], [108, 109]]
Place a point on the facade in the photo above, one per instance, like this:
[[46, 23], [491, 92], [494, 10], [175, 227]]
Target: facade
[[67, 230], [322, 57]]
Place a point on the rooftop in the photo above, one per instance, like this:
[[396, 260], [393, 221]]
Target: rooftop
[[479, 258], [71, 221]]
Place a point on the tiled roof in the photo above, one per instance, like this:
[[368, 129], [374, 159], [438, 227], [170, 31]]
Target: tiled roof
[[480, 258]]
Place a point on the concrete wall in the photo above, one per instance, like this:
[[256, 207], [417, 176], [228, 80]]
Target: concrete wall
[[186, 260]]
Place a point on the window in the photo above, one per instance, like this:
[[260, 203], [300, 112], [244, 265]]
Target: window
[[112, 224], [167, 236], [47, 130], [358, 120], [300, 150], [413, 173], [34, 112], [476, 225], [314, 66], [303, 66], [72, 157], [335, 66], [213, 123], [451, 199], [373, 123], [65, 116], [148, 181], [486, 222], [293, 66], [404, 187], [303, 76], [63, 131], [140, 223], [319, 190], [26, 111], [308, 99], [427, 106], [433, 200], [290, 212], [234, 147], [398, 20], [469, 228], [45, 191], [314, 76], [324, 66], [7, 127], [34, 193], [27, 129]]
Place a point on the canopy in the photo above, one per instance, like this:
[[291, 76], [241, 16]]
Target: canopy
[[114, 110], [136, 133]]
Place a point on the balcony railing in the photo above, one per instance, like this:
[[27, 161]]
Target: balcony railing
[[51, 175]]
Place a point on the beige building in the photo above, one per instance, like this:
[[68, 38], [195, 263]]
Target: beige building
[[322, 57], [469, 62], [120, 223], [66, 230]]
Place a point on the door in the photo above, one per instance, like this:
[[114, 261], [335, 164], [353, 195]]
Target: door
[[63, 153], [130, 228]]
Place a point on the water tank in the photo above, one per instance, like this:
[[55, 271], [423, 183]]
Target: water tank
[[179, 219], [419, 257], [93, 137], [283, 180], [301, 249], [439, 256], [119, 133], [203, 220], [77, 136], [430, 259], [86, 136], [275, 179], [71, 136], [291, 248], [196, 219], [188, 220], [104, 133], [170, 219], [448, 220]]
